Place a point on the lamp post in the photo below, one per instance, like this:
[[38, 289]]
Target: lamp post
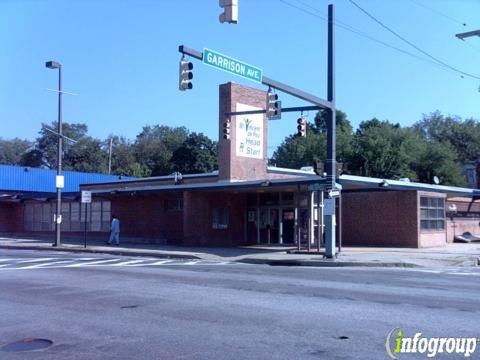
[[59, 183]]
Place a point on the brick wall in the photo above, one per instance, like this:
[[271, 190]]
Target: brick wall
[[145, 216], [11, 217], [384, 218], [231, 166], [198, 218]]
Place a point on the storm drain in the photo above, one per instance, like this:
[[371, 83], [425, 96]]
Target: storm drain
[[27, 345]]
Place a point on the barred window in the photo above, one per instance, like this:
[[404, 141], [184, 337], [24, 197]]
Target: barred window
[[40, 216], [220, 218], [432, 213]]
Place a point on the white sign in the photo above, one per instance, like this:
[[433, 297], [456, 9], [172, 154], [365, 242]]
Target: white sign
[[86, 197], [59, 181], [249, 133], [333, 193]]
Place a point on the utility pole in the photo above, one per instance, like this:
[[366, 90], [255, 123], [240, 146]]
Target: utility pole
[[110, 156], [59, 180], [330, 162]]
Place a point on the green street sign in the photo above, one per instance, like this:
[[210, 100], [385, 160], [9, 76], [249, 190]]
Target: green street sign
[[233, 66]]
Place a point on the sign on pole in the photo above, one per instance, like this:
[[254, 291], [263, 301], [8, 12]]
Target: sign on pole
[[231, 65], [86, 197], [333, 193]]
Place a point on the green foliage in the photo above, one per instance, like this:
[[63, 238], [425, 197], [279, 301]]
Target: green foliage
[[155, 145], [439, 159], [13, 151], [197, 154], [463, 136], [124, 161], [385, 150], [46, 143], [86, 155], [295, 152]]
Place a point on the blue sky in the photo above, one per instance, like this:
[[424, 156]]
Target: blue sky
[[121, 58]]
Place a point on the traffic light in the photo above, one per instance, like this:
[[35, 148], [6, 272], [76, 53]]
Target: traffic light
[[274, 106], [230, 11], [301, 127], [185, 75], [226, 129]]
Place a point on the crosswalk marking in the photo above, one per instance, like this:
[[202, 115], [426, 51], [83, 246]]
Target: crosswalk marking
[[36, 266], [473, 271], [46, 263], [98, 262]]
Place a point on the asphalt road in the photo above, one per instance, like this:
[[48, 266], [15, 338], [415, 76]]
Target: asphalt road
[[104, 307]]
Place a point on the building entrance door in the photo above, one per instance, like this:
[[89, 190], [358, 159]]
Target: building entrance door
[[288, 226], [269, 225]]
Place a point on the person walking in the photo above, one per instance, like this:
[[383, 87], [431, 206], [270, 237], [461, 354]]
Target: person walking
[[114, 231]]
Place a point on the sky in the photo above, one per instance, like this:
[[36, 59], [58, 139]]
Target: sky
[[121, 59]]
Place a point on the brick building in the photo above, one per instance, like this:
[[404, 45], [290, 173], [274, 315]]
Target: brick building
[[248, 202]]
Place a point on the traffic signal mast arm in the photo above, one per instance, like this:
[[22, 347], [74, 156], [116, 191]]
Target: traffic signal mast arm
[[263, 111], [321, 103]]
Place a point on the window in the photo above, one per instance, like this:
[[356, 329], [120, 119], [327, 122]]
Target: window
[[174, 204], [39, 216], [220, 218], [432, 213]]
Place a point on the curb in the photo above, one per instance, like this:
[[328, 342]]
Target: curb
[[100, 251], [327, 263]]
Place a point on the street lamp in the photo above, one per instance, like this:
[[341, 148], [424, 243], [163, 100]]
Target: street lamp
[[59, 183]]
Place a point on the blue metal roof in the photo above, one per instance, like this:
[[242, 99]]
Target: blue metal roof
[[27, 179]]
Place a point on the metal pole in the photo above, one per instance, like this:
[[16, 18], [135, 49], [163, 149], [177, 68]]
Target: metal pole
[[310, 220], [58, 217], [319, 218], [340, 219], [330, 162], [297, 214], [258, 218], [85, 237], [110, 157]]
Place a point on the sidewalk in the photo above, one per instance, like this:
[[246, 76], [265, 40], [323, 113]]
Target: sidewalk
[[450, 256]]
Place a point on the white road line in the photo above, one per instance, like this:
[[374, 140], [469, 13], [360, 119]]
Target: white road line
[[464, 273], [194, 262], [99, 262], [37, 260], [160, 262], [127, 263], [37, 266], [9, 259]]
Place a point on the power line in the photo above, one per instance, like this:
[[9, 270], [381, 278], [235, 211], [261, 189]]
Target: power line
[[347, 27], [410, 43], [439, 13]]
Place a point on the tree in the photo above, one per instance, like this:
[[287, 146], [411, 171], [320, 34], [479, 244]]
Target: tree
[[344, 134], [463, 136], [384, 150], [12, 151], [46, 143], [86, 155], [439, 159], [295, 152], [123, 158], [155, 145], [197, 154]]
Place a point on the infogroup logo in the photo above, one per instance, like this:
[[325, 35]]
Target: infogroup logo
[[397, 343]]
